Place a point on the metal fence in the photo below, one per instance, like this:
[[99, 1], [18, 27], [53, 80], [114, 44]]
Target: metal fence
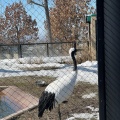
[[35, 56], [11, 51]]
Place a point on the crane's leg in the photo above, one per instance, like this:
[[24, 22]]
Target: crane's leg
[[48, 115], [59, 113]]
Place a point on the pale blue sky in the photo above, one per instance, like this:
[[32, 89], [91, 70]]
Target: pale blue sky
[[37, 12]]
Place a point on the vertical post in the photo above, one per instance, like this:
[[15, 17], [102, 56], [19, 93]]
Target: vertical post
[[61, 48], [19, 46], [0, 52], [89, 43], [47, 50], [19, 51], [101, 59], [112, 58]]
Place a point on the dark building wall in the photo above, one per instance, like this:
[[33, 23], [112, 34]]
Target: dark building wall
[[108, 38], [112, 58]]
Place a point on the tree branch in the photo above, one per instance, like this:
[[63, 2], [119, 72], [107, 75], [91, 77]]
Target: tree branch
[[42, 5]]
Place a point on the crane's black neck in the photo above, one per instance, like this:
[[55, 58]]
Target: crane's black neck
[[74, 60]]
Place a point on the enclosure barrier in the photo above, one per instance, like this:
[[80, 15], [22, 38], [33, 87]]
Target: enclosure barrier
[[48, 45]]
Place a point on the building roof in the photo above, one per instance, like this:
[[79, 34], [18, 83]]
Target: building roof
[[88, 18]]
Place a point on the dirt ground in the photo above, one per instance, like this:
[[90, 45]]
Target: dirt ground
[[75, 104]]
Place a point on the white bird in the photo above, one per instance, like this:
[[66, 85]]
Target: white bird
[[59, 90]]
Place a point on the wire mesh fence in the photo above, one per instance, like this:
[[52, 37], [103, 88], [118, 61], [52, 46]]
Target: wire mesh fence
[[36, 38], [11, 51]]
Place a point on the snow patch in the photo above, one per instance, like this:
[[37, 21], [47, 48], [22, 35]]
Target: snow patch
[[87, 71], [91, 95], [86, 116]]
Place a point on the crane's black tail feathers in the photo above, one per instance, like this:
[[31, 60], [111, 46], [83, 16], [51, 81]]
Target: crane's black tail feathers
[[46, 101]]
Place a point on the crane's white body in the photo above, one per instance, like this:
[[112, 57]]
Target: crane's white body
[[59, 90], [63, 87]]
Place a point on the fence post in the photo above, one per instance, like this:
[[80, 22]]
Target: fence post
[[47, 50], [19, 51]]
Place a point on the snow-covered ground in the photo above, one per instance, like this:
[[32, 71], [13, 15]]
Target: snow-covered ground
[[87, 72]]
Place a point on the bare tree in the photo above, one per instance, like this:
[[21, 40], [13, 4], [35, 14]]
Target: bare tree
[[18, 27]]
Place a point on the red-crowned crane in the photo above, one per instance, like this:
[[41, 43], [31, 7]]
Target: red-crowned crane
[[59, 90]]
